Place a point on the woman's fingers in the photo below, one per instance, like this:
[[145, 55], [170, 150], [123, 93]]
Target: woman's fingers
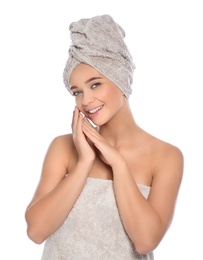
[[77, 122], [89, 129], [107, 152], [74, 119], [93, 134], [79, 138]]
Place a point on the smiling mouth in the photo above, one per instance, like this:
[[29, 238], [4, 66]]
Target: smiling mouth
[[93, 111]]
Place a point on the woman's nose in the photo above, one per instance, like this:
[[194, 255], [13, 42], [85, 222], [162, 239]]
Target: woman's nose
[[87, 98]]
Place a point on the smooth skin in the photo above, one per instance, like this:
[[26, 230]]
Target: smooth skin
[[118, 149]]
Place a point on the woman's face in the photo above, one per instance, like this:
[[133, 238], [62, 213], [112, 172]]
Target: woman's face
[[96, 96]]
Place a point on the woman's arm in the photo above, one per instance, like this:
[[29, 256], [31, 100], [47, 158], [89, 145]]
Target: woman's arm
[[145, 221], [57, 192]]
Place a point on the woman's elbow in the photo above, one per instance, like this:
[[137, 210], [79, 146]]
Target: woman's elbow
[[36, 237], [145, 247]]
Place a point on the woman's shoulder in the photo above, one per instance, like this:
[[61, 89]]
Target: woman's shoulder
[[166, 148], [168, 157], [162, 151], [159, 145], [61, 151], [62, 145], [61, 140]]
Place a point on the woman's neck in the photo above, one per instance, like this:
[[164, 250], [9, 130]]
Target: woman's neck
[[120, 128]]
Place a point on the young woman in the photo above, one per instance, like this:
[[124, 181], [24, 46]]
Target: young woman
[[108, 190]]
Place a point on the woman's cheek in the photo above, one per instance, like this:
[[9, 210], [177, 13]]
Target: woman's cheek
[[79, 104]]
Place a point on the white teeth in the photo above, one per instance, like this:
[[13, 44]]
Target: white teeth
[[94, 110]]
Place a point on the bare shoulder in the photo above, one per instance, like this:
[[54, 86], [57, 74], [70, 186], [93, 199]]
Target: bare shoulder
[[167, 152], [169, 163], [55, 165], [162, 152], [166, 178], [63, 141], [58, 157], [166, 145]]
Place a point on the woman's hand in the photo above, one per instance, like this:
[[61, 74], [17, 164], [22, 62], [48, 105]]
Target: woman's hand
[[83, 146], [107, 153]]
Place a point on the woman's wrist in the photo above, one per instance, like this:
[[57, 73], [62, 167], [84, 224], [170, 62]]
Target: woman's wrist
[[85, 164], [118, 163]]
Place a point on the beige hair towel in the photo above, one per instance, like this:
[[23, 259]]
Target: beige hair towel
[[99, 42]]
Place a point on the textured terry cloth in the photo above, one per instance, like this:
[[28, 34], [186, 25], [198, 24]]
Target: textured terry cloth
[[93, 229], [99, 42]]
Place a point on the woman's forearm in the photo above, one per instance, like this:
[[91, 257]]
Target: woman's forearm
[[47, 214], [140, 220]]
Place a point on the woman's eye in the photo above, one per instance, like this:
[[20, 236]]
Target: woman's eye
[[76, 93], [95, 85]]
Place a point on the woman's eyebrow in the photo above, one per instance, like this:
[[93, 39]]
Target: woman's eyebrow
[[71, 88], [91, 79], [86, 82]]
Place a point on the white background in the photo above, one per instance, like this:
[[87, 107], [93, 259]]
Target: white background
[[166, 41]]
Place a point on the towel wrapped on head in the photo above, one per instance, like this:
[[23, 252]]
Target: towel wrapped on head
[[99, 42]]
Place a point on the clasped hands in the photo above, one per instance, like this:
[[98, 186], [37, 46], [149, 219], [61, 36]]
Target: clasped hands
[[89, 142]]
